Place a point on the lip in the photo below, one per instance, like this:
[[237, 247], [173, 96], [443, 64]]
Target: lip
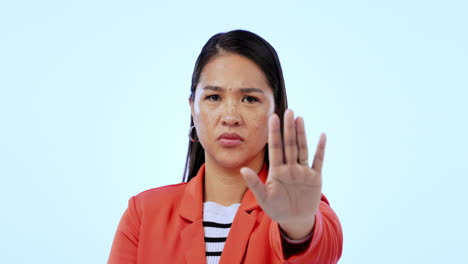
[[230, 139]]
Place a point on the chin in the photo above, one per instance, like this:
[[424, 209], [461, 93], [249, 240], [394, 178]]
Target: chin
[[230, 160]]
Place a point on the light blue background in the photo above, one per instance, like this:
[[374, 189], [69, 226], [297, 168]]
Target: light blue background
[[93, 110]]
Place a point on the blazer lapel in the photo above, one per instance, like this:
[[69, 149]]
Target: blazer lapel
[[238, 238], [193, 244], [192, 236], [191, 210], [242, 226]]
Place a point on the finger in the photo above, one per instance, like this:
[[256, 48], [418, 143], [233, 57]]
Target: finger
[[320, 153], [290, 142], [303, 150], [275, 147], [254, 183]]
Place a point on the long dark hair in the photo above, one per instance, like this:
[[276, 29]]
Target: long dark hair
[[253, 47]]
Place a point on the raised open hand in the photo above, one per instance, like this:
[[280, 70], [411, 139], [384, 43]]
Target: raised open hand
[[292, 192]]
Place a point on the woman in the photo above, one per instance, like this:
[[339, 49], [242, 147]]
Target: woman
[[248, 194]]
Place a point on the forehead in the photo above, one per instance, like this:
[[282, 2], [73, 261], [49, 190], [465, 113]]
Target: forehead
[[232, 71]]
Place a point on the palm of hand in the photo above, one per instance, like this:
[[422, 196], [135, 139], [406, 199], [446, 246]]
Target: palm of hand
[[292, 191]]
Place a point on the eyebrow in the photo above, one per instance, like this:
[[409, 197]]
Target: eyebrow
[[243, 90]]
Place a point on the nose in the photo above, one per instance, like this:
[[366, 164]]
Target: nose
[[231, 116]]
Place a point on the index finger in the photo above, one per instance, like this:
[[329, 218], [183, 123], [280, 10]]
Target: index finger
[[275, 145]]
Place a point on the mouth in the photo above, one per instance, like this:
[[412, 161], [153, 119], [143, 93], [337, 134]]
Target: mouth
[[230, 139]]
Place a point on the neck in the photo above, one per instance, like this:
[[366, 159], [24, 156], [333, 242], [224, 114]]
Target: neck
[[226, 186]]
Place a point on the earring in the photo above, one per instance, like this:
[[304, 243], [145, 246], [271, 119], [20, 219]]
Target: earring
[[190, 134]]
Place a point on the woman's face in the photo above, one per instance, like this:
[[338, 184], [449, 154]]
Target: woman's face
[[230, 110]]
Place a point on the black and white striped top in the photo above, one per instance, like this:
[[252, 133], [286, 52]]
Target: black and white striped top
[[217, 220]]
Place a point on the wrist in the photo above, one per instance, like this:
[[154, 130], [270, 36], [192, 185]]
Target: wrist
[[297, 230]]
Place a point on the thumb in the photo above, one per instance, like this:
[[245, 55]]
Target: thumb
[[254, 183]]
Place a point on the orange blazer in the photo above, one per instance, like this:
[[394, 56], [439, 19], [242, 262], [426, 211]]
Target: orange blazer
[[165, 225]]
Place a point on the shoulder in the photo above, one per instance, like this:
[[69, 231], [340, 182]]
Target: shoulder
[[157, 202], [162, 194]]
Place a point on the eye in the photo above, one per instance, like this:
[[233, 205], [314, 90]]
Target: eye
[[249, 99], [213, 98]]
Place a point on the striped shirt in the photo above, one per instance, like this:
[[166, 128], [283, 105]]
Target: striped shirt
[[217, 220]]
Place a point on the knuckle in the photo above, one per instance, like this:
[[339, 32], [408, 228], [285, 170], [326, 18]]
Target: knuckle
[[303, 146], [300, 132], [289, 125], [275, 145]]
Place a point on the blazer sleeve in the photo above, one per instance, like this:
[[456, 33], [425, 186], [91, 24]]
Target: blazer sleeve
[[327, 240], [125, 244]]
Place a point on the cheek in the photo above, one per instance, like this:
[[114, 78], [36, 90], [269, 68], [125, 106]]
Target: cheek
[[203, 122], [259, 125]]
